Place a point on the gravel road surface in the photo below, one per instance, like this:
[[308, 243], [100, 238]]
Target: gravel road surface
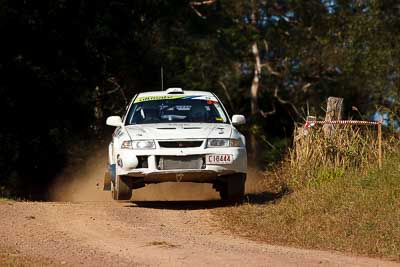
[[140, 233]]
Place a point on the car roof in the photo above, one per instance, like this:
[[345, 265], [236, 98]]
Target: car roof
[[162, 93]]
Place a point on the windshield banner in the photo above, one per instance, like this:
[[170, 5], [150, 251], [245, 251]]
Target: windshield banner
[[169, 97]]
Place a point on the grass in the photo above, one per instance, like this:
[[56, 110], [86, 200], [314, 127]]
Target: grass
[[334, 205], [315, 153]]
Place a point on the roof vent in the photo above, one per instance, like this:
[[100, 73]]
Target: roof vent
[[174, 91]]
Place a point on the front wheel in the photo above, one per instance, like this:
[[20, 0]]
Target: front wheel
[[232, 189], [121, 188]]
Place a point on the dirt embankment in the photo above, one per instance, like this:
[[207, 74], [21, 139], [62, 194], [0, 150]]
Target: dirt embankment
[[89, 229]]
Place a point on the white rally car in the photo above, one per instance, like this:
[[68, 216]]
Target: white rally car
[[176, 136]]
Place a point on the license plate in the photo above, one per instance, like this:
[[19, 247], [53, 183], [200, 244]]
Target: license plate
[[219, 159]]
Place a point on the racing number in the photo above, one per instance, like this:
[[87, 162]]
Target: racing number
[[226, 158]]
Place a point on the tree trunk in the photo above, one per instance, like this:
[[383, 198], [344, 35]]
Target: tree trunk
[[255, 85], [256, 79], [98, 111], [334, 112]]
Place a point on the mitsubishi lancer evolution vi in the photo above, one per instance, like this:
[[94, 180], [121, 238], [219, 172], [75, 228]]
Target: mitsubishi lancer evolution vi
[[176, 136]]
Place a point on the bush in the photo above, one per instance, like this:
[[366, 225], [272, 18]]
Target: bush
[[317, 157]]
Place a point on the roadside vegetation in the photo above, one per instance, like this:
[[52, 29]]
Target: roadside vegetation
[[67, 65], [336, 197]]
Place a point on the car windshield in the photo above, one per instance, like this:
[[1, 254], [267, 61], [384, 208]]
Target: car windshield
[[180, 109]]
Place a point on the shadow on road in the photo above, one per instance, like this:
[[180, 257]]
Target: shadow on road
[[265, 197], [179, 205], [256, 198]]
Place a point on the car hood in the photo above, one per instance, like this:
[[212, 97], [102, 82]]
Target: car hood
[[164, 131]]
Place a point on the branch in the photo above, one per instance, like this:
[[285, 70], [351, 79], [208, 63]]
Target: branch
[[111, 91], [266, 46], [286, 102], [117, 88], [266, 64], [305, 87], [270, 69], [227, 94], [202, 3], [268, 113], [194, 4], [197, 12]]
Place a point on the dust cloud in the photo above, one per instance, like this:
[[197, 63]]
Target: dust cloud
[[82, 181], [193, 191], [255, 180], [175, 192]]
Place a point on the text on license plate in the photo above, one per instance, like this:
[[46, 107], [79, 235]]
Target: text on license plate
[[219, 159]]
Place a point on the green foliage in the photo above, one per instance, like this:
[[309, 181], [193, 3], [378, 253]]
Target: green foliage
[[325, 175], [56, 53]]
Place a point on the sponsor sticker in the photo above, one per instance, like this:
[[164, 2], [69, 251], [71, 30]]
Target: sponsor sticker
[[155, 97]]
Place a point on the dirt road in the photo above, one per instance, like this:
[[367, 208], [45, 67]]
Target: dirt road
[[142, 233], [84, 227]]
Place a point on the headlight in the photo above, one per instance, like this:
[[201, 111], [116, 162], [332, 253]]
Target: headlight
[[139, 144], [234, 142], [223, 142]]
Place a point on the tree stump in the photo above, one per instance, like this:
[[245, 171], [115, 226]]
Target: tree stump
[[334, 112]]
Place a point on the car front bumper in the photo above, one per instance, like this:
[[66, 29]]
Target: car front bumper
[[208, 173]]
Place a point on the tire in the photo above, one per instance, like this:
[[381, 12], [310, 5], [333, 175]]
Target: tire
[[232, 189], [121, 188]]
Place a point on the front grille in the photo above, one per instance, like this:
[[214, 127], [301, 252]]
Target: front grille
[[180, 144], [181, 163], [142, 162]]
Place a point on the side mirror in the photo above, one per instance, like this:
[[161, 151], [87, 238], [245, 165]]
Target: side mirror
[[238, 120], [115, 121]]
